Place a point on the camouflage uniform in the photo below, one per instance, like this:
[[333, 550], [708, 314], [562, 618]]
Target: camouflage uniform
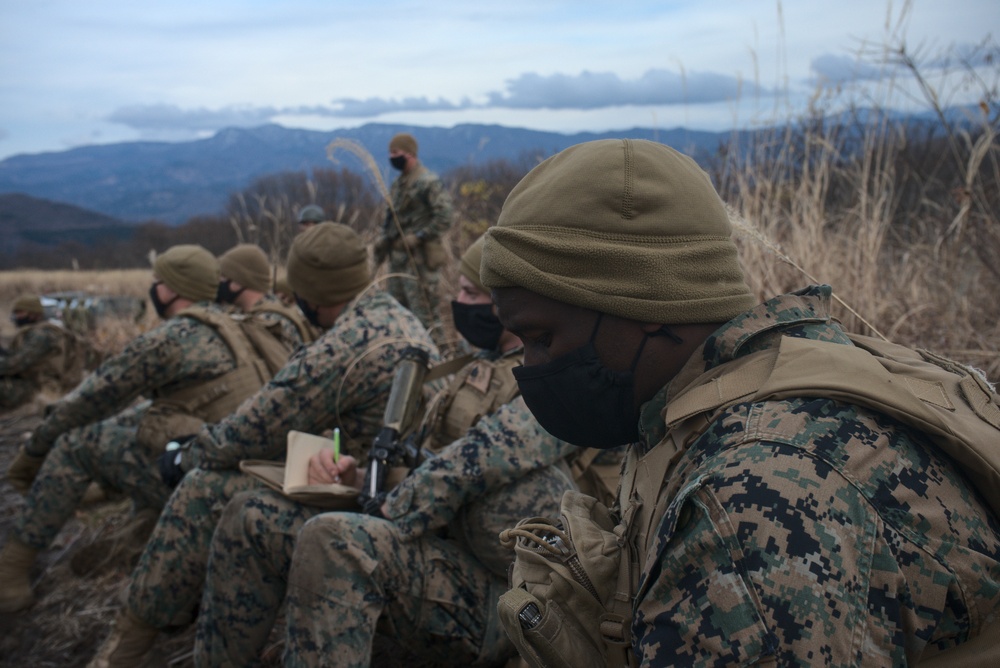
[[440, 554], [341, 380], [179, 354], [805, 530], [422, 207], [34, 361]]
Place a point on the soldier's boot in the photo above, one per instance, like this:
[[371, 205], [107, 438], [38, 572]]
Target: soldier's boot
[[128, 644], [16, 561]]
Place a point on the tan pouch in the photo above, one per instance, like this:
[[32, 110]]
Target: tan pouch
[[163, 423], [435, 256]]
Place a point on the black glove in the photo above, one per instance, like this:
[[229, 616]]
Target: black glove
[[170, 462]]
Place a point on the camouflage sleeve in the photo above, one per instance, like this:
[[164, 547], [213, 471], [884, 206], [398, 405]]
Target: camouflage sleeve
[[499, 449], [696, 604], [178, 351], [441, 214], [340, 380], [37, 344]]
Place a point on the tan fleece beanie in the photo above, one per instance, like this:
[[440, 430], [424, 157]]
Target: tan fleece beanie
[[471, 259], [190, 271], [247, 265], [403, 142], [328, 264], [627, 227], [28, 304]]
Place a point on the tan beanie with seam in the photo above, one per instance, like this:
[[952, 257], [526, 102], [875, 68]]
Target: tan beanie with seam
[[190, 271], [328, 264], [28, 304], [472, 258], [247, 265], [405, 142], [627, 227]]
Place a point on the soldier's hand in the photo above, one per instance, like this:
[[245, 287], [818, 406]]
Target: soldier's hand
[[323, 470], [23, 470], [169, 463]]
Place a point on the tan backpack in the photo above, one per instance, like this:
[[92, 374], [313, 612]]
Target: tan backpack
[[550, 612]]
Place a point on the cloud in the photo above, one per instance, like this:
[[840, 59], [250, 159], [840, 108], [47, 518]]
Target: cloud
[[842, 69], [598, 90], [374, 106], [836, 69], [170, 118], [585, 91]]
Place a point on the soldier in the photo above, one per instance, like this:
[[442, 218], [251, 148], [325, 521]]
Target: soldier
[[38, 356], [309, 215], [420, 213], [196, 366], [437, 545], [245, 282], [341, 380], [794, 531]]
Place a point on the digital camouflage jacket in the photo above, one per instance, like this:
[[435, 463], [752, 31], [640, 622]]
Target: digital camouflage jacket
[[805, 531]]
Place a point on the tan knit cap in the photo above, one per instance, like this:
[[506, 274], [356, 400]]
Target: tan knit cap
[[405, 142], [627, 227], [28, 304], [247, 265], [190, 271], [328, 264], [471, 259]]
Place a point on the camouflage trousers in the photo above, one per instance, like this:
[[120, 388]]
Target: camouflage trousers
[[247, 573], [353, 575], [105, 452], [418, 292], [15, 392], [166, 585]]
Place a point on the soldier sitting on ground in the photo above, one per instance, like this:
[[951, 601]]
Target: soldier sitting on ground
[[196, 367], [43, 357], [245, 282], [341, 380], [440, 567]]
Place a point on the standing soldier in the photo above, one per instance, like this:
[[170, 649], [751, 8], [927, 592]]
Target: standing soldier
[[245, 282], [196, 367], [39, 358], [419, 214], [341, 380]]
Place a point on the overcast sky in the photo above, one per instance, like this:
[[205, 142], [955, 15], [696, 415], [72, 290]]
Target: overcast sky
[[78, 72]]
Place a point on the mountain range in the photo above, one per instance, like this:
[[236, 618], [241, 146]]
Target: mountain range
[[171, 182]]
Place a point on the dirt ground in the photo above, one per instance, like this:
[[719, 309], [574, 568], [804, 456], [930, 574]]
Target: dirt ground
[[78, 580]]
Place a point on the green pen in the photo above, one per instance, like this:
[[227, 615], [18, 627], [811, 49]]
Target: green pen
[[336, 444]]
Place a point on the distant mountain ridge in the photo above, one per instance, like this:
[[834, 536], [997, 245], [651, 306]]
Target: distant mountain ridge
[[30, 220], [171, 182]]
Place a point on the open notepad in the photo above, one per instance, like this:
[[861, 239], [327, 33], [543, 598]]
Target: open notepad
[[291, 477]]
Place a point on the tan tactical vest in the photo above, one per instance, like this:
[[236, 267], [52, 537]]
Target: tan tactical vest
[[293, 315], [479, 388], [183, 412], [61, 370], [951, 404]]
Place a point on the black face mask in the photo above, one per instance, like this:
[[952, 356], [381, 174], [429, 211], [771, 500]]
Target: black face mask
[[579, 400], [226, 294], [161, 308], [311, 314], [398, 162], [21, 322], [477, 324]]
